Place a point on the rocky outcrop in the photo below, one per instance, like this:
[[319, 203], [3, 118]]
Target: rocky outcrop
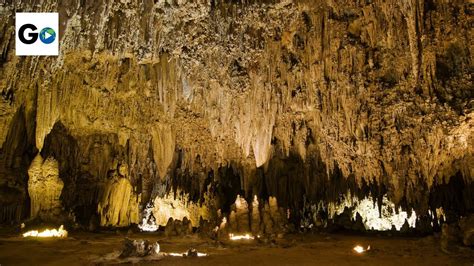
[[267, 98], [44, 188]]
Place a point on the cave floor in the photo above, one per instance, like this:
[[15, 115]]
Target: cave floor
[[308, 249]]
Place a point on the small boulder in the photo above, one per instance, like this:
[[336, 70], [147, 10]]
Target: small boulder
[[139, 248]]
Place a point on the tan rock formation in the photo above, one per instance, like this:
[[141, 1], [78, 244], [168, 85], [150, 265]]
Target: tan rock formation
[[119, 204], [44, 188], [337, 94]]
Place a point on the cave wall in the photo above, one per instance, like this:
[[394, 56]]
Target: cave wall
[[267, 98]]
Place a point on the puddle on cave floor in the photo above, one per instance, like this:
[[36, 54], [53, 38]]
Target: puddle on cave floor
[[301, 249]]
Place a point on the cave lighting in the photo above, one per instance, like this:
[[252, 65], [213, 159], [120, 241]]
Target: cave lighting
[[359, 249], [371, 217], [61, 232], [184, 254], [145, 227], [241, 237], [148, 222]]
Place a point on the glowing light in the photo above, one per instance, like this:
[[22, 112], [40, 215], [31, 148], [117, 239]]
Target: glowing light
[[175, 254], [360, 249], [184, 254], [177, 208], [371, 217], [389, 217], [47, 233], [148, 222], [241, 237]]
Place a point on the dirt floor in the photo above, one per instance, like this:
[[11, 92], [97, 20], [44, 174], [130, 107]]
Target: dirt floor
[[308, 249]]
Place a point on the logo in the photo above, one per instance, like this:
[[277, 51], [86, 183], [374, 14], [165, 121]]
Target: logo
[[47, 35], [37, 34]]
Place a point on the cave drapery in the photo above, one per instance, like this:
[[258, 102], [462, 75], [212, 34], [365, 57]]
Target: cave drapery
[[298, 101]]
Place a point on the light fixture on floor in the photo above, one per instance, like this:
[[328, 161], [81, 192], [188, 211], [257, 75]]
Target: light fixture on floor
[[359, 249], [241, 237], [61, 232]]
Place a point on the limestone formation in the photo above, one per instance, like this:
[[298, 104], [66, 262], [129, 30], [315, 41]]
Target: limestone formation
[[44, 188], [139, 248], [293, 100], [119, 204], [178, 207], [178, 228]]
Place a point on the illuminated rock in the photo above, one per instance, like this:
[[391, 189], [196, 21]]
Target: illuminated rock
[[274, 220], [163, 147], [139, 248], [255, 221], [119, 204], [178, 208], [148, 223], [44, 188], [239, 216], [309, 98]]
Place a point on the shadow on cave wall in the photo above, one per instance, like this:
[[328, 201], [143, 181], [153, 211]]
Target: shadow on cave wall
[[85, 163], [16, 154]]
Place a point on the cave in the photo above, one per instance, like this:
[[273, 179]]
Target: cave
[[234, 132]]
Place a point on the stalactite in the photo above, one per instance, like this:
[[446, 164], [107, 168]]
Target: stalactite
[[251, 98]]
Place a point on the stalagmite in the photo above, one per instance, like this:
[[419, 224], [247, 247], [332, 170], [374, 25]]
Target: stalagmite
[[119, 204], [44, 188], [274, 122], [178, 208]]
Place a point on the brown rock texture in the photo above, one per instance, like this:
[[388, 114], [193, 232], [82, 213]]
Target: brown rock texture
[[269, 98], [44, 188]]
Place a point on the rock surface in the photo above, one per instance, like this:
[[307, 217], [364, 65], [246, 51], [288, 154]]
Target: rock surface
[[139, 248], [44, 188], [269, 98]]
